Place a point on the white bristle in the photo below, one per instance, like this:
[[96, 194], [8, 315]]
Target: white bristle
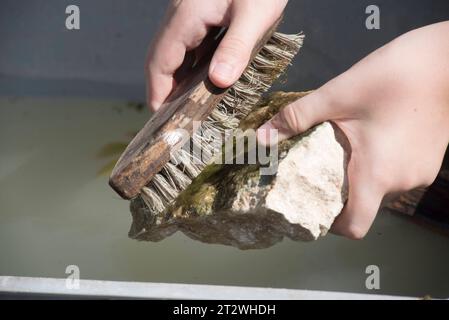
[[179, 179], [238, 102], [163, 188], [152, 200]]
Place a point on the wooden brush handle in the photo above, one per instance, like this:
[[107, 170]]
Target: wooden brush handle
[[192, 100]]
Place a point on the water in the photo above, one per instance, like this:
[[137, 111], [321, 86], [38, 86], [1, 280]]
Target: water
[[56, 211]]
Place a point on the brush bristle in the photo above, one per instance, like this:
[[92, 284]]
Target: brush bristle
[[242, 97]]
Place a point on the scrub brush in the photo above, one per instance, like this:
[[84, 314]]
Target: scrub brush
[[155, 166]]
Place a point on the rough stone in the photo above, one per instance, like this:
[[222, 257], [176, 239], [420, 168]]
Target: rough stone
[[235, 205]]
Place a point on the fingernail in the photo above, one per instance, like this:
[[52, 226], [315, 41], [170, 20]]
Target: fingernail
[[223, 71]]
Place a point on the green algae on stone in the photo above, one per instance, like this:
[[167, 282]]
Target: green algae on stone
[[269, 107], [225, 203]]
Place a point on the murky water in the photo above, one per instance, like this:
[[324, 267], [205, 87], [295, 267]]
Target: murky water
[[56, 211]]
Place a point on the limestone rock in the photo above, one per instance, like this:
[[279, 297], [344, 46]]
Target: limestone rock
[[309, 189], [236, 205]]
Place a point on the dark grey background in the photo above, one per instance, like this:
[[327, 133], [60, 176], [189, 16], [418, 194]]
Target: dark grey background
[[38, 56]]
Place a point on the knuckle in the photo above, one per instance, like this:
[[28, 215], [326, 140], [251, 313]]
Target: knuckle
[[234, 46], [196, 37], [293, 120], [297, 119]]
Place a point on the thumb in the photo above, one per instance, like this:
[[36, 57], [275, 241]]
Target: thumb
[[234, 52], [297, 118]]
